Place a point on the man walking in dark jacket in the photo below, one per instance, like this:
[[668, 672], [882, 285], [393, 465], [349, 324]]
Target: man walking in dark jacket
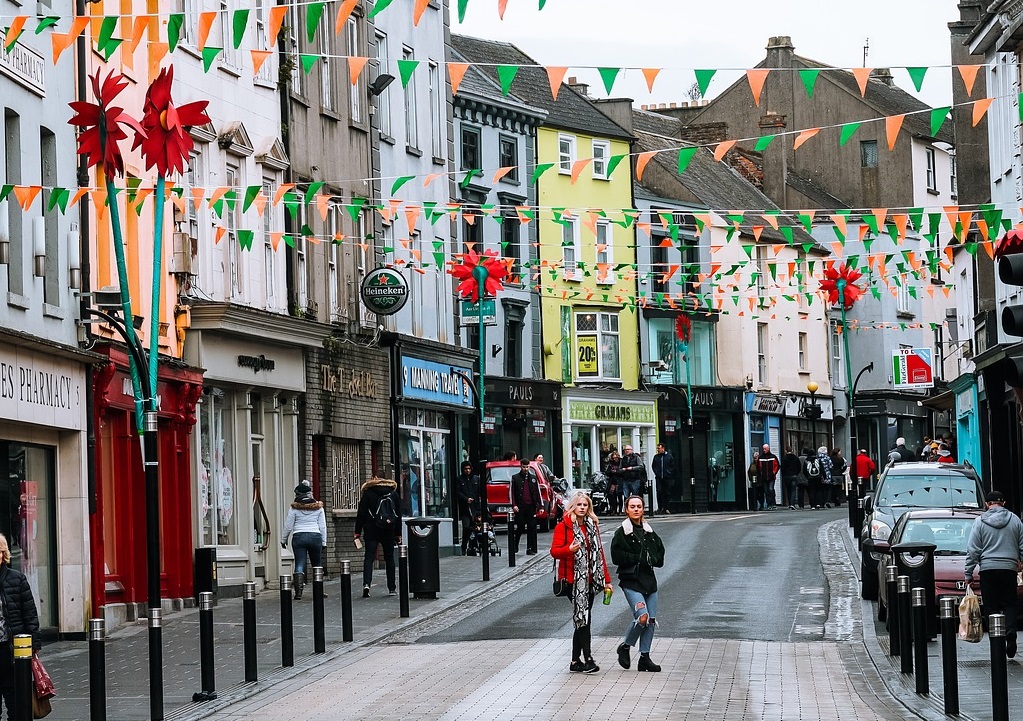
[[17, 616], [996, 545], [381, 523], [663, 464], [791, 467], [468, 490], [525, 500], [767, 468]]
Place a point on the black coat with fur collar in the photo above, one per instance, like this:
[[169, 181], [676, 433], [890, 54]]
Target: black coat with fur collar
[[372, 491], [19, 607]]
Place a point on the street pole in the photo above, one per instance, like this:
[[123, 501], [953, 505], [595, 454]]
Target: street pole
[[692, 442], [842, 283], [480, 273]]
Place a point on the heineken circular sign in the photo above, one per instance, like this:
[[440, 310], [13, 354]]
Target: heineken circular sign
[[384, 291]]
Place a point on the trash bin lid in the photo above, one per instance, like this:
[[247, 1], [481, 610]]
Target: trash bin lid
[[422, 526]]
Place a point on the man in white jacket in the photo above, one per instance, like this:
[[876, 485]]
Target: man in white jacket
[[308, 523], [996, 545]]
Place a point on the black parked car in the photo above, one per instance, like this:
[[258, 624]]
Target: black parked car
[[903, 487]]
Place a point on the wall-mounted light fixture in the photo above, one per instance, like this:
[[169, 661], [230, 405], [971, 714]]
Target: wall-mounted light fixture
[[74, 257], [380, 83], [39, 245]]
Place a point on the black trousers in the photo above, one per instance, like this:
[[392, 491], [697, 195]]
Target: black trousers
[[525, 520], [387, 545], [998, 589], [7, 678], [581, 638], [663, 493]]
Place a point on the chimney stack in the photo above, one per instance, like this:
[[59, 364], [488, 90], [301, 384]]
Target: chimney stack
[[581, 88], [780, 51], [884, 75]]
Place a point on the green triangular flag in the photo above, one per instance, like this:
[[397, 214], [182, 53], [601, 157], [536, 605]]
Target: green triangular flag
[[239, 20], [209, 54], [916, 216], [312, 190], [613, 163], [608, 75], [380, 6], [917, 76], [245, 239], [400, 182], [461, 10], [506, 74], [685, 156], [438, 258], [291, 204], [59, 197], [5, 190], [250, 195], [313, 13], [174, 23], [405, 70], [106, 31], [540, 170], [218, 208], [763, 142], [871, 221], [848, 130], [938, 116], [469, 175], [838, 233], [807, 247], [703, 78], [1019, 103], [809, 78], [47, 22], [867, 242], [787, 232], [355, 209], [807, 220], [308, 61], [111, 47]]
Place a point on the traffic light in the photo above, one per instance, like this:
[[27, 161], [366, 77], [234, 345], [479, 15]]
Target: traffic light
[[1010, 272]]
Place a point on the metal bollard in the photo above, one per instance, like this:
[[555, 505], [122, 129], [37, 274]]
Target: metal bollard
[[97, 669], [403, 581], [999, 668], [287, 624], [891, 573], [319, 634], [155, 663], [949, 662], [905, 624], [23, 677], [858, 521], [485, 554], [511, 541], [923, 679], [850, 500], [346, 601], [249, 631], [207, 669]]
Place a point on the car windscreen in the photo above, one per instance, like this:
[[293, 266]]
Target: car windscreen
[[501, 474], [929, 491], [950, 535]]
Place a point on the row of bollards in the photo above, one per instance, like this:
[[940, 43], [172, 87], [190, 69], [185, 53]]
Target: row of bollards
[[207, 671], [907, 636]]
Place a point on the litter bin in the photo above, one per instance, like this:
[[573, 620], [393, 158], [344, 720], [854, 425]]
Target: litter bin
[[423, 557], [916, 560], [205, 566]]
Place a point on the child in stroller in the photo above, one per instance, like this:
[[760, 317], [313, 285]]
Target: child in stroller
[[482, 534]]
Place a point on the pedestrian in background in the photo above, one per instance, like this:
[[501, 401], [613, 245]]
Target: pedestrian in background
[[306, 524], [633, 472], [637, 550], [663, 465], [791, 469], [613, 471], [838, 469], [865, 468], [768, 466], [18, 617], [579, 551], [468, 491], [755, 489], [525, 496], [381, 524], [996, 545], [901, 454]]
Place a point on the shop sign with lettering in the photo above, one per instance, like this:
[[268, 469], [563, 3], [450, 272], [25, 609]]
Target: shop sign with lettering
[[35, 388], [256, 362], [538, 427], [489, 424], [670, 426], [23, 65], [435, 382], [586, 356], [523, 394], [774, 405], [384, 291], [611, 413], [350, 382]]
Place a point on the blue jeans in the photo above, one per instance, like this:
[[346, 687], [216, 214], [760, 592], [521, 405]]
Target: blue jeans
[[303, 544], [630, 488], [640, 605]]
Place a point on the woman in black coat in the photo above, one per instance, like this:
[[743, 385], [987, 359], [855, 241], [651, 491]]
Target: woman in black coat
[[17, 616]]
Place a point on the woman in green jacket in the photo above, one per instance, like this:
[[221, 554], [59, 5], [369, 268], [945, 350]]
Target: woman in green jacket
[[637, 551]]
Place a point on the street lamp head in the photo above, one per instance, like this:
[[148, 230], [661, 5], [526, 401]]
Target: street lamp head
[[480, 273], [812, 387]]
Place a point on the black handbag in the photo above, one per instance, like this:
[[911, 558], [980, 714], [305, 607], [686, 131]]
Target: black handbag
[[628, 571], [562, 587]]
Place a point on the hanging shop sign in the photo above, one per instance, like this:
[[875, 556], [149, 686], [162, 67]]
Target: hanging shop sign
[[611, 413], [913, 368], [35, 388], [435, 382], [384, 291]]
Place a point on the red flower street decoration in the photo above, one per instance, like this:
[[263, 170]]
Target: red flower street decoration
[[465, 271], [102, 124], [1010, 243], [683, 328], [165, 141], [830, 284]]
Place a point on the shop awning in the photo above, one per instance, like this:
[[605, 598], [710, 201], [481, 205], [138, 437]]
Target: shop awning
[[941, 402]]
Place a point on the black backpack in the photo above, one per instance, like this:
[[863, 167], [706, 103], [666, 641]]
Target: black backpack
[[813, 468], [386, 515]]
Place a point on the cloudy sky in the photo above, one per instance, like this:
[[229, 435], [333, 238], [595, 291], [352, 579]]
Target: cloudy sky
[[679, 35]]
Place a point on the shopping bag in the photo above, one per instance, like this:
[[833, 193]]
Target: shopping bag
[[971, 628], [43, 684], [41, 707]]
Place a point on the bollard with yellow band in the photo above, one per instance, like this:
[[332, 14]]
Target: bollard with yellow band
[[22, 678]]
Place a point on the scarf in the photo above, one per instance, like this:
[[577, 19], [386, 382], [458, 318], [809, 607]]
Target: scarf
[[588, 567]]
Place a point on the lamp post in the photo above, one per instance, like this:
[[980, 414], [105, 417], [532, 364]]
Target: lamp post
[[842, 283], [811, 412]]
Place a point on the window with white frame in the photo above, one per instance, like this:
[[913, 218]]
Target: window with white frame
[[597, 351], [763, 353], [932, 170], [508, 156], [566, 153], [570, 249], [301, 267], [601, 154], [229, 57], [411, 115], [192, 180], [189, 10], [232, 211], [511, 244], [953, 178], [437, 114], [269, 254], [384, 98], [327, 65], [605, 253], [353, 48], [902, 295], [761, 271], [803, 348], [334, 234], [416, 290], [837, 357], [295, 49], [266, 74]]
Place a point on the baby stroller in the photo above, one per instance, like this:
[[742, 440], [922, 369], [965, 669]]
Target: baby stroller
[[482, 535]]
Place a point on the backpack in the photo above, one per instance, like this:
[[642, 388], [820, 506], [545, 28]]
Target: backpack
[[813, 468], [386, 516]]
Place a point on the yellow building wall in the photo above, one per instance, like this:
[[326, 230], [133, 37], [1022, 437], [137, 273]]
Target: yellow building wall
[[556, 190]]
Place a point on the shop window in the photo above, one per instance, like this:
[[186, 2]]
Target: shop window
[[597, 346], [217, 491], [28, 503], [423, 456]]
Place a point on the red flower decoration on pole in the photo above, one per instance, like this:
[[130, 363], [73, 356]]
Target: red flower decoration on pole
[[473, 265], [102, 124], [835, 278], [683, 328], [165, 141]]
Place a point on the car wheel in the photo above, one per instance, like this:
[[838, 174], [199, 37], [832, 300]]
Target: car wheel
[[868, 583]]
